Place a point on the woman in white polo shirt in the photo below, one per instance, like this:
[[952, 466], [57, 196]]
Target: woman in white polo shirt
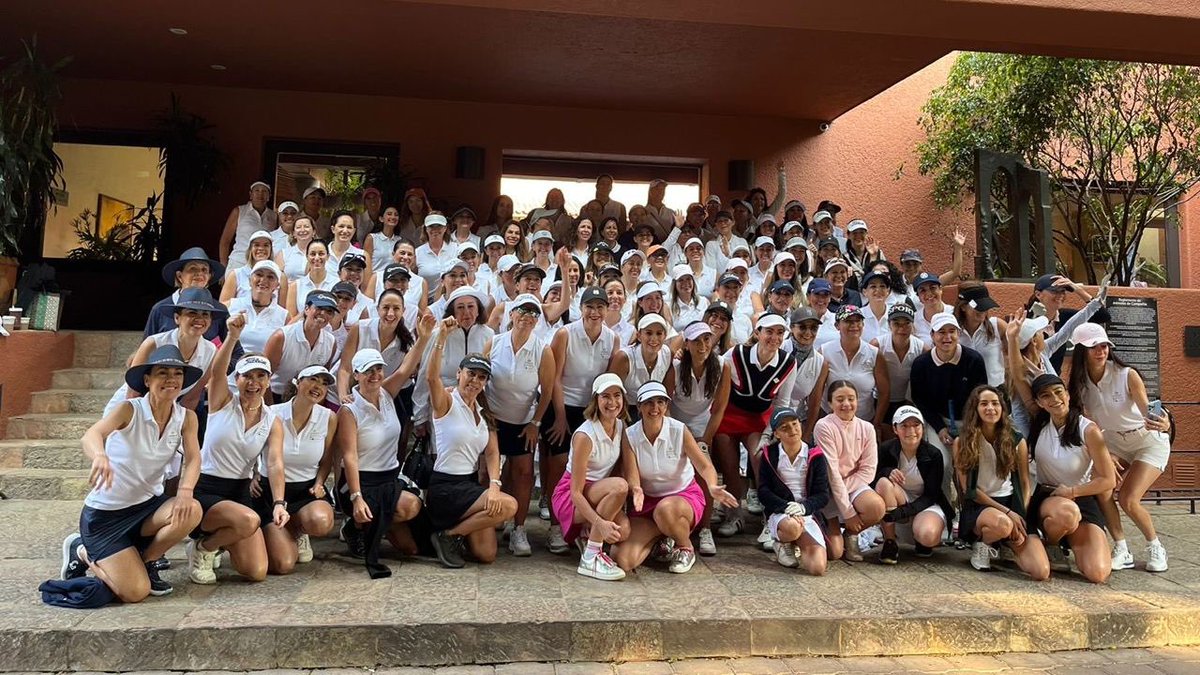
[[237, 280], [303, 343], [648, 359], [436, 254]]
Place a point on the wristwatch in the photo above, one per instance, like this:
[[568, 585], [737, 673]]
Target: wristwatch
[[281, 502], [536, 423], [355, 495]]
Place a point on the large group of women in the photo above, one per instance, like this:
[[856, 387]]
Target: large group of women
[[663, 378]]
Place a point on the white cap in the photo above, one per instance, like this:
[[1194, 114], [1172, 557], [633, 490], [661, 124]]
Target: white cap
[[507, 262], [605, 382], [796, 241], [524, 299], [315, 188], [736, 263], [650, 320], [1031, 327], [740, 247], [257, 183], [1090, 335], [694, 240], [316, 371], [367, 359], [630, 253], [836, 262], [649, 288], [792, 225], [788, 206], [467, 292], [681, 270], [253, 362], [782, 257], [906, 412], [435, 220], [287, 205], [467, 245], [493, 239], [696, 329], [766, 218], [821, 215], [764, 241], [651, 390], [856, 224], [268, 265], [770, 320], [261, 234], [712, 198], [941, 320], [540, 235]]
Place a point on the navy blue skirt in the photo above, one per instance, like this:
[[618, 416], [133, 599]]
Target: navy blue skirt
[[106, 533]]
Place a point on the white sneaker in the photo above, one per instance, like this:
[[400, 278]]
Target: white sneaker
[[200, 564], [601, 567], [981, 556], [682, 560], [543, 508], [765, 540], [1156, 557], [733, 525], [216, 564], [518, 543], [706, 546], [556, 543], [785, 554], [752, 504], [1122, 559], [304, 552]]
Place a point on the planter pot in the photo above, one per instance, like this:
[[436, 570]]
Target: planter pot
[[8, 281]]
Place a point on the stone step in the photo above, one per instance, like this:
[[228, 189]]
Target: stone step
[[105, 349], [42, 454], [37, 426], [44, 484], [70, 401], [107, 379]]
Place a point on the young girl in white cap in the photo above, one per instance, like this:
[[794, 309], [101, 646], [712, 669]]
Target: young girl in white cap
[[1114, 395], [648, 359], [793, 484], [909, 478], [662, 463], [590, 496], [240, 430]]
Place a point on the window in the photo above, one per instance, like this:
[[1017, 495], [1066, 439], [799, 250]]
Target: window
[[1158, 250]]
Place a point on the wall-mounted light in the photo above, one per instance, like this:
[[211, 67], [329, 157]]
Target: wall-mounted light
[[178, 31], [217, 66]]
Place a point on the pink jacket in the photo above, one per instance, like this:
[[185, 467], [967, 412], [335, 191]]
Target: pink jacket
[[852, 453]]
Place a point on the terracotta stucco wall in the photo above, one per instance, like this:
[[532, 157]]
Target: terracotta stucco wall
[[28, 359]]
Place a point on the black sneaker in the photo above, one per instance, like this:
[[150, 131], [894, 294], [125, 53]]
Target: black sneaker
[[157, 585], [449, 549], [353, 538], [162, 564], [73, 566], [890, 553], [923, 551]]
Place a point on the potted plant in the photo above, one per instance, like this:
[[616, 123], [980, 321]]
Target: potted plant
[[30, 170]]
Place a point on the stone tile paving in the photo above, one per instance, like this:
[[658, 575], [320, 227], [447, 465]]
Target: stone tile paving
[[739, 602]]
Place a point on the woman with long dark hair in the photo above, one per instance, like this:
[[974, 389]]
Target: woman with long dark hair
[[412, 215]]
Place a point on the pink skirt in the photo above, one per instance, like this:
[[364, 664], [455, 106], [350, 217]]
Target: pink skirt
[[692, 494], [564, 508]]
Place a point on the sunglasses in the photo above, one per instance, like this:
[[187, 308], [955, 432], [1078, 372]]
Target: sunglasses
[[526, 310]]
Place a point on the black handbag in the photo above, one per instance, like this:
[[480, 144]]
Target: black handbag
[[417, 465]]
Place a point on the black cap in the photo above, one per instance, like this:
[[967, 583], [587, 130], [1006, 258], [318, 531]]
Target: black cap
[[530, 267], [352, 258], [476, 362], [608, 269], [1046, 283], [593, 294], [720, 306], [1045, 381], [872, 276], [830, 206], [782, 415], [344, 288], [322, 299], [782, 286], [901, 310], [730, 278], [463, 210], [601, 246], [723, 215], [396, 270], [977, 298], [925, 278], [802, 314], [829, 241]]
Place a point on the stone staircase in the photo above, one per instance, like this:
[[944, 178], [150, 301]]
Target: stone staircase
[[41, 458]]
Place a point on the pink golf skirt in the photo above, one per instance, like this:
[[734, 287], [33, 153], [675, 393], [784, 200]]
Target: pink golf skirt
[[692, 494], [738, 422], [564, 508]]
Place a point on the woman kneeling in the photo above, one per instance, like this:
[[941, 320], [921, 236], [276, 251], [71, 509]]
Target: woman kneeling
[[668, 473], [793, 484]]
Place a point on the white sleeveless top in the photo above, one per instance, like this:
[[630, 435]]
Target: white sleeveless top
[[513, 389], [202, 358], [381, 249], [687, 312], [606, 451], [639, 374], [298, 355], [139, 457], [860, 370], [412, 295], [1108, 402], [584, 361], [899, 366], [249, 221], [988, 482], [378, 432], [231, 450], [694, 409], [295, 264], [1059, 464], [305, 285], [988, 348], [368, 338], [334, 260], [663, 466], [302, 448], [459, 439], [260, 325]]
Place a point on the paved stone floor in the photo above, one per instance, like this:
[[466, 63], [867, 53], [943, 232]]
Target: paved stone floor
[[1168, 660], [737, 603]]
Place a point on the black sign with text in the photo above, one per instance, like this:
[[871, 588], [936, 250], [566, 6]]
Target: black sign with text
[[1134, 329]]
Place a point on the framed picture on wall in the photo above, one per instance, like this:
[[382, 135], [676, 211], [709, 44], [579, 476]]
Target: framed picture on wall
[[111, 212]]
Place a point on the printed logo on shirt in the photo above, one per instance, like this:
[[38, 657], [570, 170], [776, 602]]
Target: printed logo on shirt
[[672, 452], [174, 439]]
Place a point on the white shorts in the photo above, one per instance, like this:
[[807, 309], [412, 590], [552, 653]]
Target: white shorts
[[1140, 445], [810, 527], [831, 509], [904, 528]]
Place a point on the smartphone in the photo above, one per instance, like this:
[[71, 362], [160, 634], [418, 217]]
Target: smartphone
[[1155, 410], [1038, 310]]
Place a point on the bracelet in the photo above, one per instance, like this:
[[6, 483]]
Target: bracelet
[[536, 423], [439, 345], [1008, 512], [496, 482], [355, 495]]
